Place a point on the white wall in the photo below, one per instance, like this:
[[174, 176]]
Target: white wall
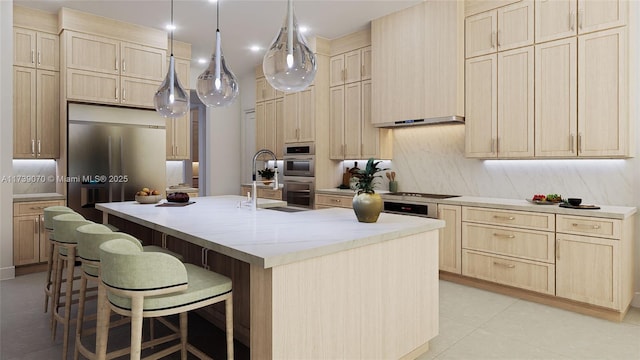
[[7, 270]]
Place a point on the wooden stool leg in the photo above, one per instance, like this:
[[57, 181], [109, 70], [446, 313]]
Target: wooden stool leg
[[71, 255], [80, 318], [136, 327], [228, 306], [102, 322], [56, 291], [184, 326], [49, 280]]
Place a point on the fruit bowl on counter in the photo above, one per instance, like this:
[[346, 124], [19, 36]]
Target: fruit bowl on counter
[[148, 196]]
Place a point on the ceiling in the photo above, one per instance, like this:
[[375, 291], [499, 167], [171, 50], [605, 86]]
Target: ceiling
[[243, 23]]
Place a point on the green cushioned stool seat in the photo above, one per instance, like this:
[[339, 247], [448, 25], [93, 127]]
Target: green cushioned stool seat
[[150, 284], [49, 213]]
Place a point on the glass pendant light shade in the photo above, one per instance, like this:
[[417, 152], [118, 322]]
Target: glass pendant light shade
[[217, 86], [171, 100], [289, 65]]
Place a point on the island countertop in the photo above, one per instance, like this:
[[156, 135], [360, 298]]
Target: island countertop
[[263, 237]]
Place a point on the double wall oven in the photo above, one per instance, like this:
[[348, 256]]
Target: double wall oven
[[299, 174]]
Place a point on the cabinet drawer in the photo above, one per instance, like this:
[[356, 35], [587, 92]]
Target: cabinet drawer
[[270, 194], [529, 275], [522, 219], [334, 201], [33, 207], [525, 244], [582, 225]]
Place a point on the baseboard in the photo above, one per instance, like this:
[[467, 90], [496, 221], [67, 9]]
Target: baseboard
[[636, 300], [7, 273]]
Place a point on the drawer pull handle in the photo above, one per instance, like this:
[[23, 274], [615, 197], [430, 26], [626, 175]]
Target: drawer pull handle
[[335, 200], [499, 217], [508, 236], [594, 227], [510, 266]]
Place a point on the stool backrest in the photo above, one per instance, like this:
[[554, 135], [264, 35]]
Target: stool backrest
[[91, 236], [65, 225], [125, 266], [51, 211]]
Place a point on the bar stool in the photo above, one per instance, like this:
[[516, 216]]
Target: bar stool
[[49, 213], [65, 243], [89, 238], [146, 284]]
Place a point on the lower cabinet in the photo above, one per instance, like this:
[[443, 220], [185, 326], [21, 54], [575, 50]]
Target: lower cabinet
[[450, 250], [263, 192], [29, 235], [324, 201]]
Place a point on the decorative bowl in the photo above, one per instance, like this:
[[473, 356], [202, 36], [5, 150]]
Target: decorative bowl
[[149, 199], [574, 201]]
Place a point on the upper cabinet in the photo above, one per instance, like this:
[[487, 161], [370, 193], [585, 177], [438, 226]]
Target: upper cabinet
[[561, 19], [36, 49], [299, 116], [350, 67], [427, 78], [269, 116], [506, 28]]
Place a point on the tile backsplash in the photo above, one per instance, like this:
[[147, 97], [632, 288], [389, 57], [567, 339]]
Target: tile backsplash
[[34, 176]]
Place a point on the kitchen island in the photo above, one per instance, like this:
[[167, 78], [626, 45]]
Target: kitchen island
[[322, 285]]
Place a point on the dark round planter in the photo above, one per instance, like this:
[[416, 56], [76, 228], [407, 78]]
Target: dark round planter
[[367, 207]]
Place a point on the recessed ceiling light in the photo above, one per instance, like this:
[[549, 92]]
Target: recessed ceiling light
[[170, 27], [212, 1], [202, 61], [303, 29], [255, 48]]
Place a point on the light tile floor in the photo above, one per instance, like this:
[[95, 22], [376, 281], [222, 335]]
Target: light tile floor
[[474, 324]]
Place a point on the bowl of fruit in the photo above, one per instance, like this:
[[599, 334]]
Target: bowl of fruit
[[148, 196], [550, 199]]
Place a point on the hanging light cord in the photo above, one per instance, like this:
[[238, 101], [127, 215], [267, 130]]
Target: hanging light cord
[[172, 27], [218, 47]]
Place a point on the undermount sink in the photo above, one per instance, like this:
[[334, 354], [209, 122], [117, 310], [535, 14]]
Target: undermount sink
[[286, 209]]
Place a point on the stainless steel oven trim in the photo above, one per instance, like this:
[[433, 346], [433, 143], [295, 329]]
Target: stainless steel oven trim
[[432, 208], [309, 158], [299, 180], [310, 145]]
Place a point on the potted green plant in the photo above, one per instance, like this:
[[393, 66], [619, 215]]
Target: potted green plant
[[366, 203], [267, 175]]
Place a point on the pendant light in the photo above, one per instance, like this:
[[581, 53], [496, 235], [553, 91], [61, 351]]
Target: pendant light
[[289, 65], [171, 100], [217, 86]]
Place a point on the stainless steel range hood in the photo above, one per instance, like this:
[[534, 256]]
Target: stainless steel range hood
[[455, 119]]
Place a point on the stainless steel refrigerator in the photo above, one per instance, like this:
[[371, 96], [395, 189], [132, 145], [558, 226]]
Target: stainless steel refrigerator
[[112, 154]]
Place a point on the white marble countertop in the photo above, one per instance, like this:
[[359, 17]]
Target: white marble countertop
[[37, 197], [605, 211], [265, 237], [261, 185]]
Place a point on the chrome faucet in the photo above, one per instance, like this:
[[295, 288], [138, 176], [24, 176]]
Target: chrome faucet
[[254, 190]]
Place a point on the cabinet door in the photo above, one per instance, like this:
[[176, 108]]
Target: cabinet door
[[183, 71], [48, 114], [515, 103], [279, 127], [352, 121], [370, 135], [48, 52], [142, 62], [555, 19], [336, 123], [306, 115], [261, 126], [24, 47], [594, 15], [182, 137], [26, 240], [93, 87], [603, 123], [92, 53], [366, 63], [480, 34], [270, 125], [587, 270], [170, 143], [556, 98], [481, 104], [352, 66], [24, 112], [450, 250], [260, 86], [291, 117], [515, 25], [336, 70], [138, 92]]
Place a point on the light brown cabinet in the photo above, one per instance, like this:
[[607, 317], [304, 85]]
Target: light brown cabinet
[[264, 90], [500, 105], [450, 249], [178, 132], [36, 113], [269, 126], [350, 67], [35, 49], [29, 235], [110, 71], [559, 19], [299, 116], [427, 78], [508, 27], [263, 192], [323, 201]]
